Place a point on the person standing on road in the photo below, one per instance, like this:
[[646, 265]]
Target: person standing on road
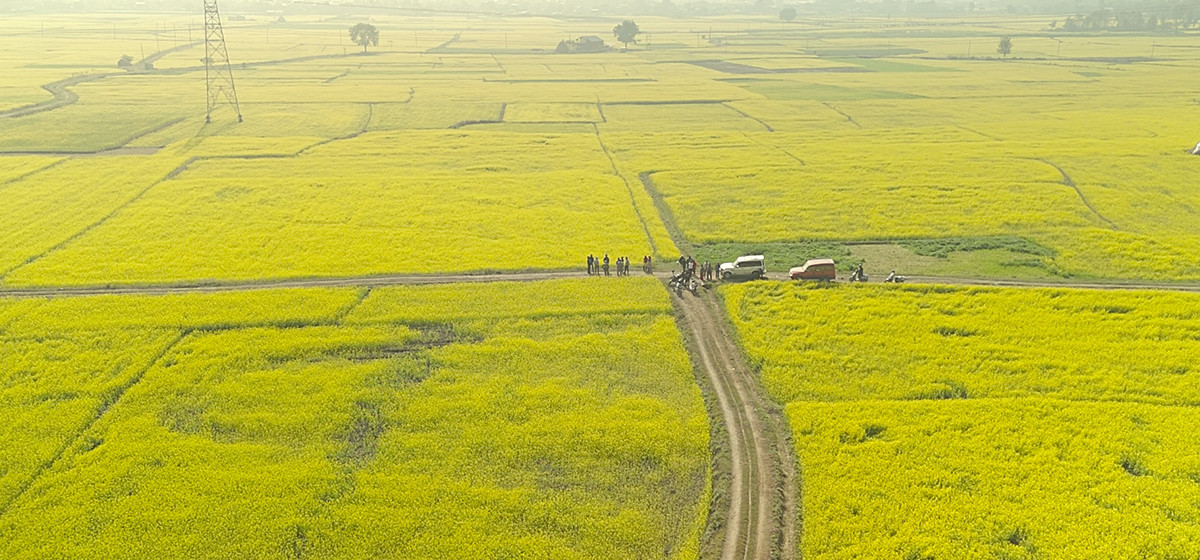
[[591, 263], [605, 266]]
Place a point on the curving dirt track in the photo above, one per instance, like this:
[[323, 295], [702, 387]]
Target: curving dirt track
[[762, 491], [62, 96]]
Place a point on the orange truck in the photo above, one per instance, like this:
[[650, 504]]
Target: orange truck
[[814, 269]]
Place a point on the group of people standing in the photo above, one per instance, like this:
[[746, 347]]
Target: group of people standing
[[705, 272], [601, 266]]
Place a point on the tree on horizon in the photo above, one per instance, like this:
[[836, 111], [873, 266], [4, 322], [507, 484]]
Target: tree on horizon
[[627, 32], [364, 34]]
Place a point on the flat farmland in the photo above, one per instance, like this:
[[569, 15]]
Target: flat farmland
[[839, 142], [375, 417], [964, 423], [347, 423]]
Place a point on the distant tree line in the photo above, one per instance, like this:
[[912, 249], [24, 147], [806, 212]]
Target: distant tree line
[[1173, 17]]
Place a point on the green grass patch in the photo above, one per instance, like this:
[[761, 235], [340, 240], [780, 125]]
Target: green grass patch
[[780, 256], [943, 247]]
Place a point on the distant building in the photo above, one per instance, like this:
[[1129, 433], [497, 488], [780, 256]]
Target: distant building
[[589, 43], [585, 44]]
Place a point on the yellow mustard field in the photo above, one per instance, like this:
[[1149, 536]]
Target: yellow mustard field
[[963, 423], [747, 130], [348, 423]]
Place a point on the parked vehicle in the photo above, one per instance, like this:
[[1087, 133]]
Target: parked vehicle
[[748, 267], [814, 269]]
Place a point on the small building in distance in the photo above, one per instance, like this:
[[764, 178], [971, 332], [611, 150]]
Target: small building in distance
[[585, 44]]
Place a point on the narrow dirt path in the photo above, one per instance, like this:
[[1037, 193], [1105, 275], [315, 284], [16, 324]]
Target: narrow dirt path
[[63, 96], [526, 276], [757, 525]]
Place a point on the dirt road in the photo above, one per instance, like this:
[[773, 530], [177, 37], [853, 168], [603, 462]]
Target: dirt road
[[757, 525]]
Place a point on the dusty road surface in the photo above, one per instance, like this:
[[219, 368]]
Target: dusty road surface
[[762, 487]]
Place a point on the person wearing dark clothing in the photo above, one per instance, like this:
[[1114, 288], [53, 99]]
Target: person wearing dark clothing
[[605, 265], [591, 263]]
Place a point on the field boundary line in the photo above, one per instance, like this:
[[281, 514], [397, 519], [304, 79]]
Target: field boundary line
[[973, 131], [628, 188], [363, 128], [341, 315], [665, 214], [674, 102], [842, 113], [1066, 180], [30, 260], [748, 116], [103, 409], [499, 119], [29, 174], [769, 527], [777, 148]]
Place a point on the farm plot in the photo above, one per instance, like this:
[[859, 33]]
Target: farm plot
[[382, 203], [83, 127], [1096, 224], [42, 210], [1025, 478], [1010, 422], [392, 430], [16, 167]]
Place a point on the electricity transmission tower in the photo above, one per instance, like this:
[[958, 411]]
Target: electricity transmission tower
[[218, 76]]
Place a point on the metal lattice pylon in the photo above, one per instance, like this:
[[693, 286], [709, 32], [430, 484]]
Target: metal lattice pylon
[[218, 75]]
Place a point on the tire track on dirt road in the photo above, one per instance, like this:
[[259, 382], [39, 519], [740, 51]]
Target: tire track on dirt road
[[757, 525]]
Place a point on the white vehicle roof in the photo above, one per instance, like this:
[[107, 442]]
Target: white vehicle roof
[[749, 258]]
